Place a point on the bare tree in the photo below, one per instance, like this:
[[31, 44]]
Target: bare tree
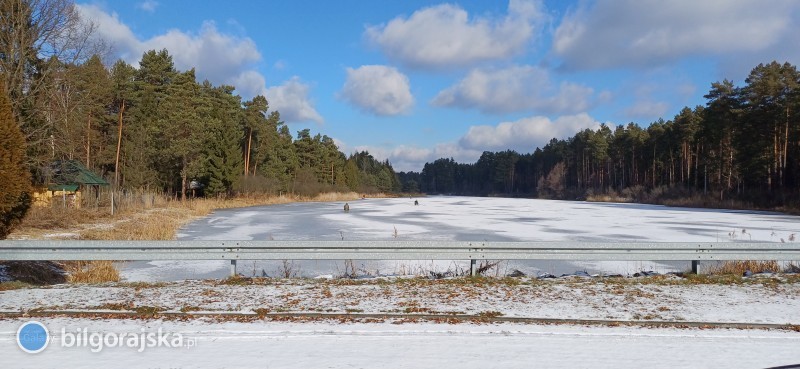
[[35, 35]]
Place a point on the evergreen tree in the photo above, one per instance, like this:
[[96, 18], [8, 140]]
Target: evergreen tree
[[281, 162], [143, 144], [224, 156], [256, 129], [185, 125], [122, 81], [14, 177]]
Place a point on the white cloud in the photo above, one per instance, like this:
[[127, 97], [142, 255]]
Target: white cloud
[[119, 36], [221, 58], [249, 83], [412, 158], [378, 89], [215, 56], [619, 33], [512, 89], [292, 100], [526, 134], [148, 5], [444, 35], [523, 135], [647, 109]]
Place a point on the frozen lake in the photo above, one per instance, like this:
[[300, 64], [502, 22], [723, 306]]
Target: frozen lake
[[464, 219]]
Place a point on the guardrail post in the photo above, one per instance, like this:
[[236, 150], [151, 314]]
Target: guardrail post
[[233, 267], [696, 266], [473, 268]]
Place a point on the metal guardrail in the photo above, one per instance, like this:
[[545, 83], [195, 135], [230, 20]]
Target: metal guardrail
[[394, 250]]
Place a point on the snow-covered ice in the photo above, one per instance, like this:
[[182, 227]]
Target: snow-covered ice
[[465, 219]]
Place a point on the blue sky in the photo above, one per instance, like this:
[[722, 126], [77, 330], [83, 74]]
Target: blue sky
[[413, 81]]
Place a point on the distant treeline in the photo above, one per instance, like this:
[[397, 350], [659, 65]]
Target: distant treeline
[[744, 144]]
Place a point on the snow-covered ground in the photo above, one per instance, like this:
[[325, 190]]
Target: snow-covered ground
[[672, 299], [465, 219], [267, 344], [403, 343]]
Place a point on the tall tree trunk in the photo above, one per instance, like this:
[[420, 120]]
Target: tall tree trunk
[[247, 153], [654, 165], [183, 180], [775, 158], [785, 144], [119, 145], [88, 138]]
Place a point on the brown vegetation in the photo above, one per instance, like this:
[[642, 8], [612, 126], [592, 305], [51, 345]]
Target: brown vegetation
[[149, 220], [14, 177], [739, 267], [676, 197], [97, 271]]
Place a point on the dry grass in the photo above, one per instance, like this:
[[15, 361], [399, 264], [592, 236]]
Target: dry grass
[[41, 220], [97, 271], [13, 285], [154, 224], [607, 198], [336, 196], [153, 220], [159, 218], [740, 267]]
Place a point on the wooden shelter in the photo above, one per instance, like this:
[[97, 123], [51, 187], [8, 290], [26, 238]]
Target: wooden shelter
[[68, 180]]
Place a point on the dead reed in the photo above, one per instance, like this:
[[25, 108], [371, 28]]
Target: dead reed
[[739, 267]]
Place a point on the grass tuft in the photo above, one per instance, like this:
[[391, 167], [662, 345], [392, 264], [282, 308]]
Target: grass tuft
[[97, 271]]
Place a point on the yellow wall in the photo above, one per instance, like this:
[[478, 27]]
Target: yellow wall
[[46, 198]]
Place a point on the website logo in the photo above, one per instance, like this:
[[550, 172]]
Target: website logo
[[33, 337], [97, 341]]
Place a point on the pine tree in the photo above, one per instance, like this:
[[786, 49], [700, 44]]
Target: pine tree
[[281, 161], [184, 122], [224, 162], [142, 162], [122, 76], [257, 132]]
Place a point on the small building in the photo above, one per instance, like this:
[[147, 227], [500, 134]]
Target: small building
[[68, 181]]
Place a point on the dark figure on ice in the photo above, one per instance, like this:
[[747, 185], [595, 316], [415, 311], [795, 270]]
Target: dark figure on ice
[[416, 202], [346, 207]]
